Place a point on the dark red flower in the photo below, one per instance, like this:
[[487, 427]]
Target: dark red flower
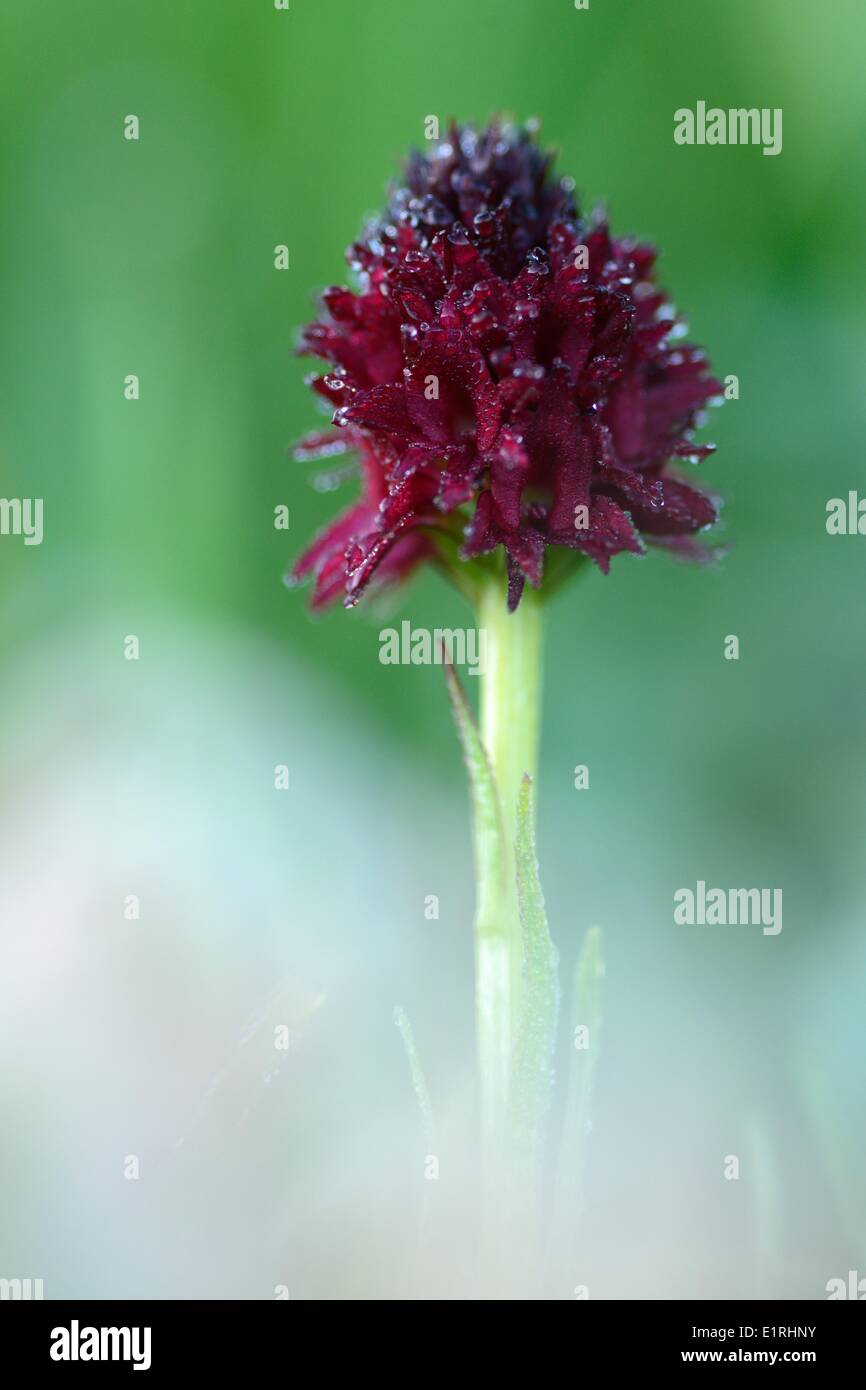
[[510, 374]]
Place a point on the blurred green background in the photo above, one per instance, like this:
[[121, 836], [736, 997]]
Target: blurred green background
[[155, 257]]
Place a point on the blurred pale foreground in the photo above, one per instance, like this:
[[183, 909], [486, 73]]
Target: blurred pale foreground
[[159, 1137]]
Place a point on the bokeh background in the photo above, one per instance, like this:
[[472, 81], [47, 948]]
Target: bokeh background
[[259, 908]]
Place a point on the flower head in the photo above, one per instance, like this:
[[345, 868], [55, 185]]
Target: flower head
[[509, 374]]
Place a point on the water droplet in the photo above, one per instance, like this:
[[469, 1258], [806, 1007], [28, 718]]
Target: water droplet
[[329, 482]]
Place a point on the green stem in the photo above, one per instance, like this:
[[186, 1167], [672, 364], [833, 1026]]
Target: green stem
[[509, 726]]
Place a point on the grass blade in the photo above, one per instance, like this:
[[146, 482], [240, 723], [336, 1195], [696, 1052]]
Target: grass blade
[[486, 809], [428, 1128], [535, 1043], [419, 1081], [586, 1037]]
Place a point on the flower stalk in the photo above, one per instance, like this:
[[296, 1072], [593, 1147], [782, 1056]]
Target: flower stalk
[[509, 726]]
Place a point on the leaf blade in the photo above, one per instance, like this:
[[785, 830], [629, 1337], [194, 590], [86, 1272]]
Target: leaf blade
[[487, 823], [587, 1005], [535, 1043], [419, 1080]]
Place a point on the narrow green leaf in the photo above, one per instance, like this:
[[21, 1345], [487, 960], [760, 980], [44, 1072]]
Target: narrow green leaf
[[486, 811], [535, 1042], [419, 1082], [585, 1040], [428, 1129]]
